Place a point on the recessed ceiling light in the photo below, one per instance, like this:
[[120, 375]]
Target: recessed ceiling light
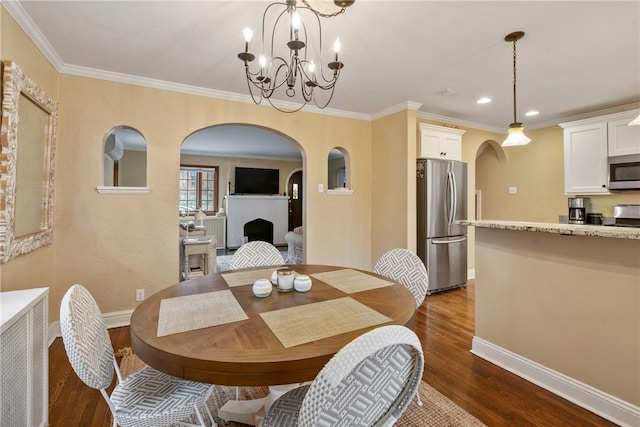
[[531, 113], [484, 100]]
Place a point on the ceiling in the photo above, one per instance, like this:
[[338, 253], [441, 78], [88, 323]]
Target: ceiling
[[577, 58]]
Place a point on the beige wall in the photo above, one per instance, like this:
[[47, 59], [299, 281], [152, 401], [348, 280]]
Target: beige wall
[[569, 303], [537, 171], [35, 269], [115, 244], [393, 184]]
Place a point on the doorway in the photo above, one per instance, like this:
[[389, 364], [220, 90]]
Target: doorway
[[294, 190]]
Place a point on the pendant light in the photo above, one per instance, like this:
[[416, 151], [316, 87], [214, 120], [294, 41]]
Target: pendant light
[[635, 122], [515, 134]]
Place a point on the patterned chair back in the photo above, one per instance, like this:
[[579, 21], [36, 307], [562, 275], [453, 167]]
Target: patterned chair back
[[407, 268], [369, 382], [86, 338], [256, 254]]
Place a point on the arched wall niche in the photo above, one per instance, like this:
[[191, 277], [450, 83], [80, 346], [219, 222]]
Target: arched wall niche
[[124, 161], [339, 169]]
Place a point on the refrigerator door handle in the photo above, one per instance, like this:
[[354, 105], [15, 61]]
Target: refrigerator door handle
[[451, 186], [446, 242], [454, 200]]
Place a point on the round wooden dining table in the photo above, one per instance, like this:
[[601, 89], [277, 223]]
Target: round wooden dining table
[[247, 352]]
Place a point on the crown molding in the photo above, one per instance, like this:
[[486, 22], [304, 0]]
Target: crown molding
[[407, 105], [459, 122], [589, 115], [18, 13], [196, 90]]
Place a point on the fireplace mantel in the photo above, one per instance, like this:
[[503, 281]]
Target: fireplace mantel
[[242, 209]]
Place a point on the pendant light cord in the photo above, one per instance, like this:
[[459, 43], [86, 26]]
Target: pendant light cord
[[514, 81]]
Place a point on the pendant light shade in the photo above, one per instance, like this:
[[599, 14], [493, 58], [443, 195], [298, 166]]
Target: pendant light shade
[[635, 122], [515, 134]]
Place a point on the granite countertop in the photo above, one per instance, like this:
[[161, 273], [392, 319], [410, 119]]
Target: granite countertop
[[564, 229]]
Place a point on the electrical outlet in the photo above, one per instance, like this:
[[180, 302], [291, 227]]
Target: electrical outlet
[[139, 294], [513, 190], [320, 188]]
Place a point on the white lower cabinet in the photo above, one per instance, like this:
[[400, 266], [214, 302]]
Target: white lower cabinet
[[24, 358]]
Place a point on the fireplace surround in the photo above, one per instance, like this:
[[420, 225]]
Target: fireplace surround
[[247, 209]]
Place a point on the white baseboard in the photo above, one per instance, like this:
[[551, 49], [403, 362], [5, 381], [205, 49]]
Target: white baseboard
[[115, 319], [471, 273], [601, 403]]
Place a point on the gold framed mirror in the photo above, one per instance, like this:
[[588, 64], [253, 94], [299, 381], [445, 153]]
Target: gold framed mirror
[[27, 140]]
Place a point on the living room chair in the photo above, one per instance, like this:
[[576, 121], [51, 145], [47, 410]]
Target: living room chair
[[256, 254], [405, 267], [146, 398], [369, 382]]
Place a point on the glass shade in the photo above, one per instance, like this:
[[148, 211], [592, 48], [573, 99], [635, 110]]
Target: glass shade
[[515, 137]]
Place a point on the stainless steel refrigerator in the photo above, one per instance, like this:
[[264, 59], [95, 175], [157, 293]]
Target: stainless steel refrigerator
[[441, 201]]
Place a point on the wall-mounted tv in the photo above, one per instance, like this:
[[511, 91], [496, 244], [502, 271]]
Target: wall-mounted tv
[[257, 181]]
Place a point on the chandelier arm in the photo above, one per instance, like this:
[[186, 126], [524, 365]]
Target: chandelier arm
[[324, 15], [328, 100], [286, 110]]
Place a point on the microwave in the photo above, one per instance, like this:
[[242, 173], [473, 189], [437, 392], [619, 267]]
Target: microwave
[[624, 172]]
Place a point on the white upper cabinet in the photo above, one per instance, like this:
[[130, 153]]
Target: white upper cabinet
[[588, 143], [439, 142], [623, 139], [585, 159]]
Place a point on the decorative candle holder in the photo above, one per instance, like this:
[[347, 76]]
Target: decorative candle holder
[[285, 279], [262, 288], [302, 283]]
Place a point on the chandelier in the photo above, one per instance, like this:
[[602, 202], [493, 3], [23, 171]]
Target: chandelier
[[284, 63], [515, 134]]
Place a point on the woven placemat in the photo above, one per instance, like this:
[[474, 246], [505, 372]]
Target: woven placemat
[[311, 322], [190, 312], [351, 281], [242, 278]]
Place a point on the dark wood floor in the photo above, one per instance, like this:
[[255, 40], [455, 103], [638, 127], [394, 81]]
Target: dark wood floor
[[445, 325]]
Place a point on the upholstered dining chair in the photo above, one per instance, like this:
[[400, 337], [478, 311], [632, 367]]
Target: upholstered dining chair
[[369, 382], [405, 267], [146, 398], [256, 254]]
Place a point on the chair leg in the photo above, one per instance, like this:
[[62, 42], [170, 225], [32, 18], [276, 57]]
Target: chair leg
[[419, 403]]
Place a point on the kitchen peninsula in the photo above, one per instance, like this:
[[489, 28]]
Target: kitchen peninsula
[[559, 305]]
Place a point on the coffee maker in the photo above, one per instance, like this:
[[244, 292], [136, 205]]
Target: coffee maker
[[579, 207]]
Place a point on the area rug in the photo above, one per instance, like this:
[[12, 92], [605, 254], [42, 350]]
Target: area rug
[[437, 410]]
